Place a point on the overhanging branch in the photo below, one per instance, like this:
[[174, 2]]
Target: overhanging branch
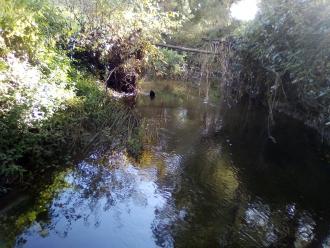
[[187, 49]]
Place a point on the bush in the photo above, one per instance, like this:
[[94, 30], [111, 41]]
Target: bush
[[170, 64], [50, 112], [119, 47]]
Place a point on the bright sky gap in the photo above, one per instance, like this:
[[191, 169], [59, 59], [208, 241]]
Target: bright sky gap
[[244, 10]]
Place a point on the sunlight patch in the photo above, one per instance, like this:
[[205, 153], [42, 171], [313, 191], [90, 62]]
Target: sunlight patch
[[244, 10]]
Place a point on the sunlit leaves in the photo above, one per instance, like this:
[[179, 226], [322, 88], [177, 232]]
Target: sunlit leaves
[[169, 63], [22, 85]]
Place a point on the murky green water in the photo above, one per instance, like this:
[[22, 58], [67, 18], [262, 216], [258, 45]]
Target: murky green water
[[206, 178]]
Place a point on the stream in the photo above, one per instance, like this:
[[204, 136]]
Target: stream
[[207, 177]]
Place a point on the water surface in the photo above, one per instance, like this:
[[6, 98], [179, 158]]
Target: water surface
[[207, 177]]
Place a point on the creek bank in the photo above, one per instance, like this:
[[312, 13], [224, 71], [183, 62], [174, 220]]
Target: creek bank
[[91, 119], [242, 71], [118, 62]]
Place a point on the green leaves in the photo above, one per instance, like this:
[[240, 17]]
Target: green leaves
[[285, 53], [169, 64], [49, 111]]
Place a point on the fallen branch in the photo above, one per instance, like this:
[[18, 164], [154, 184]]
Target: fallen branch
[[186, 49]]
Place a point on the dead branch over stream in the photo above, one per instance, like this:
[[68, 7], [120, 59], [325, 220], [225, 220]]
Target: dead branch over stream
[[186, 49]]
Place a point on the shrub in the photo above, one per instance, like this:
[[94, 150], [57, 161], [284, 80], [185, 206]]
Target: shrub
[[49, 111], [169, 64]]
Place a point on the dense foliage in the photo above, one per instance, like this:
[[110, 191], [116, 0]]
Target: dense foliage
[[51, 109], [117, 39], [208, 18], [284, 59], [280, 59], [169, 64]]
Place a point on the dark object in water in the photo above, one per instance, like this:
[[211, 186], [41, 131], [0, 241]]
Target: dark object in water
[[152, 94]]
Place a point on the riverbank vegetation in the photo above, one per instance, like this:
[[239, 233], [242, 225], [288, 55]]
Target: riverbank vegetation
[[283, 61], [53, 57], [280, 59], [57, 58]]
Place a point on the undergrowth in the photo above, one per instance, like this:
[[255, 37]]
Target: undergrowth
[[50, 111]]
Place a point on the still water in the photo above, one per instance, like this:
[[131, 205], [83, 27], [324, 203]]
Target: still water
[[207, 177]]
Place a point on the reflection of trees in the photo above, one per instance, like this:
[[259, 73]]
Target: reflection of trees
[[97, 188], [33, 212], [261, 226], [221, 208], [207, 184], [92, 188], [287, 174]]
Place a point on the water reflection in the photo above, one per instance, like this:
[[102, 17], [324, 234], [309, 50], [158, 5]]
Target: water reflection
[[206, 178], [113, 204], [326, 242]]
